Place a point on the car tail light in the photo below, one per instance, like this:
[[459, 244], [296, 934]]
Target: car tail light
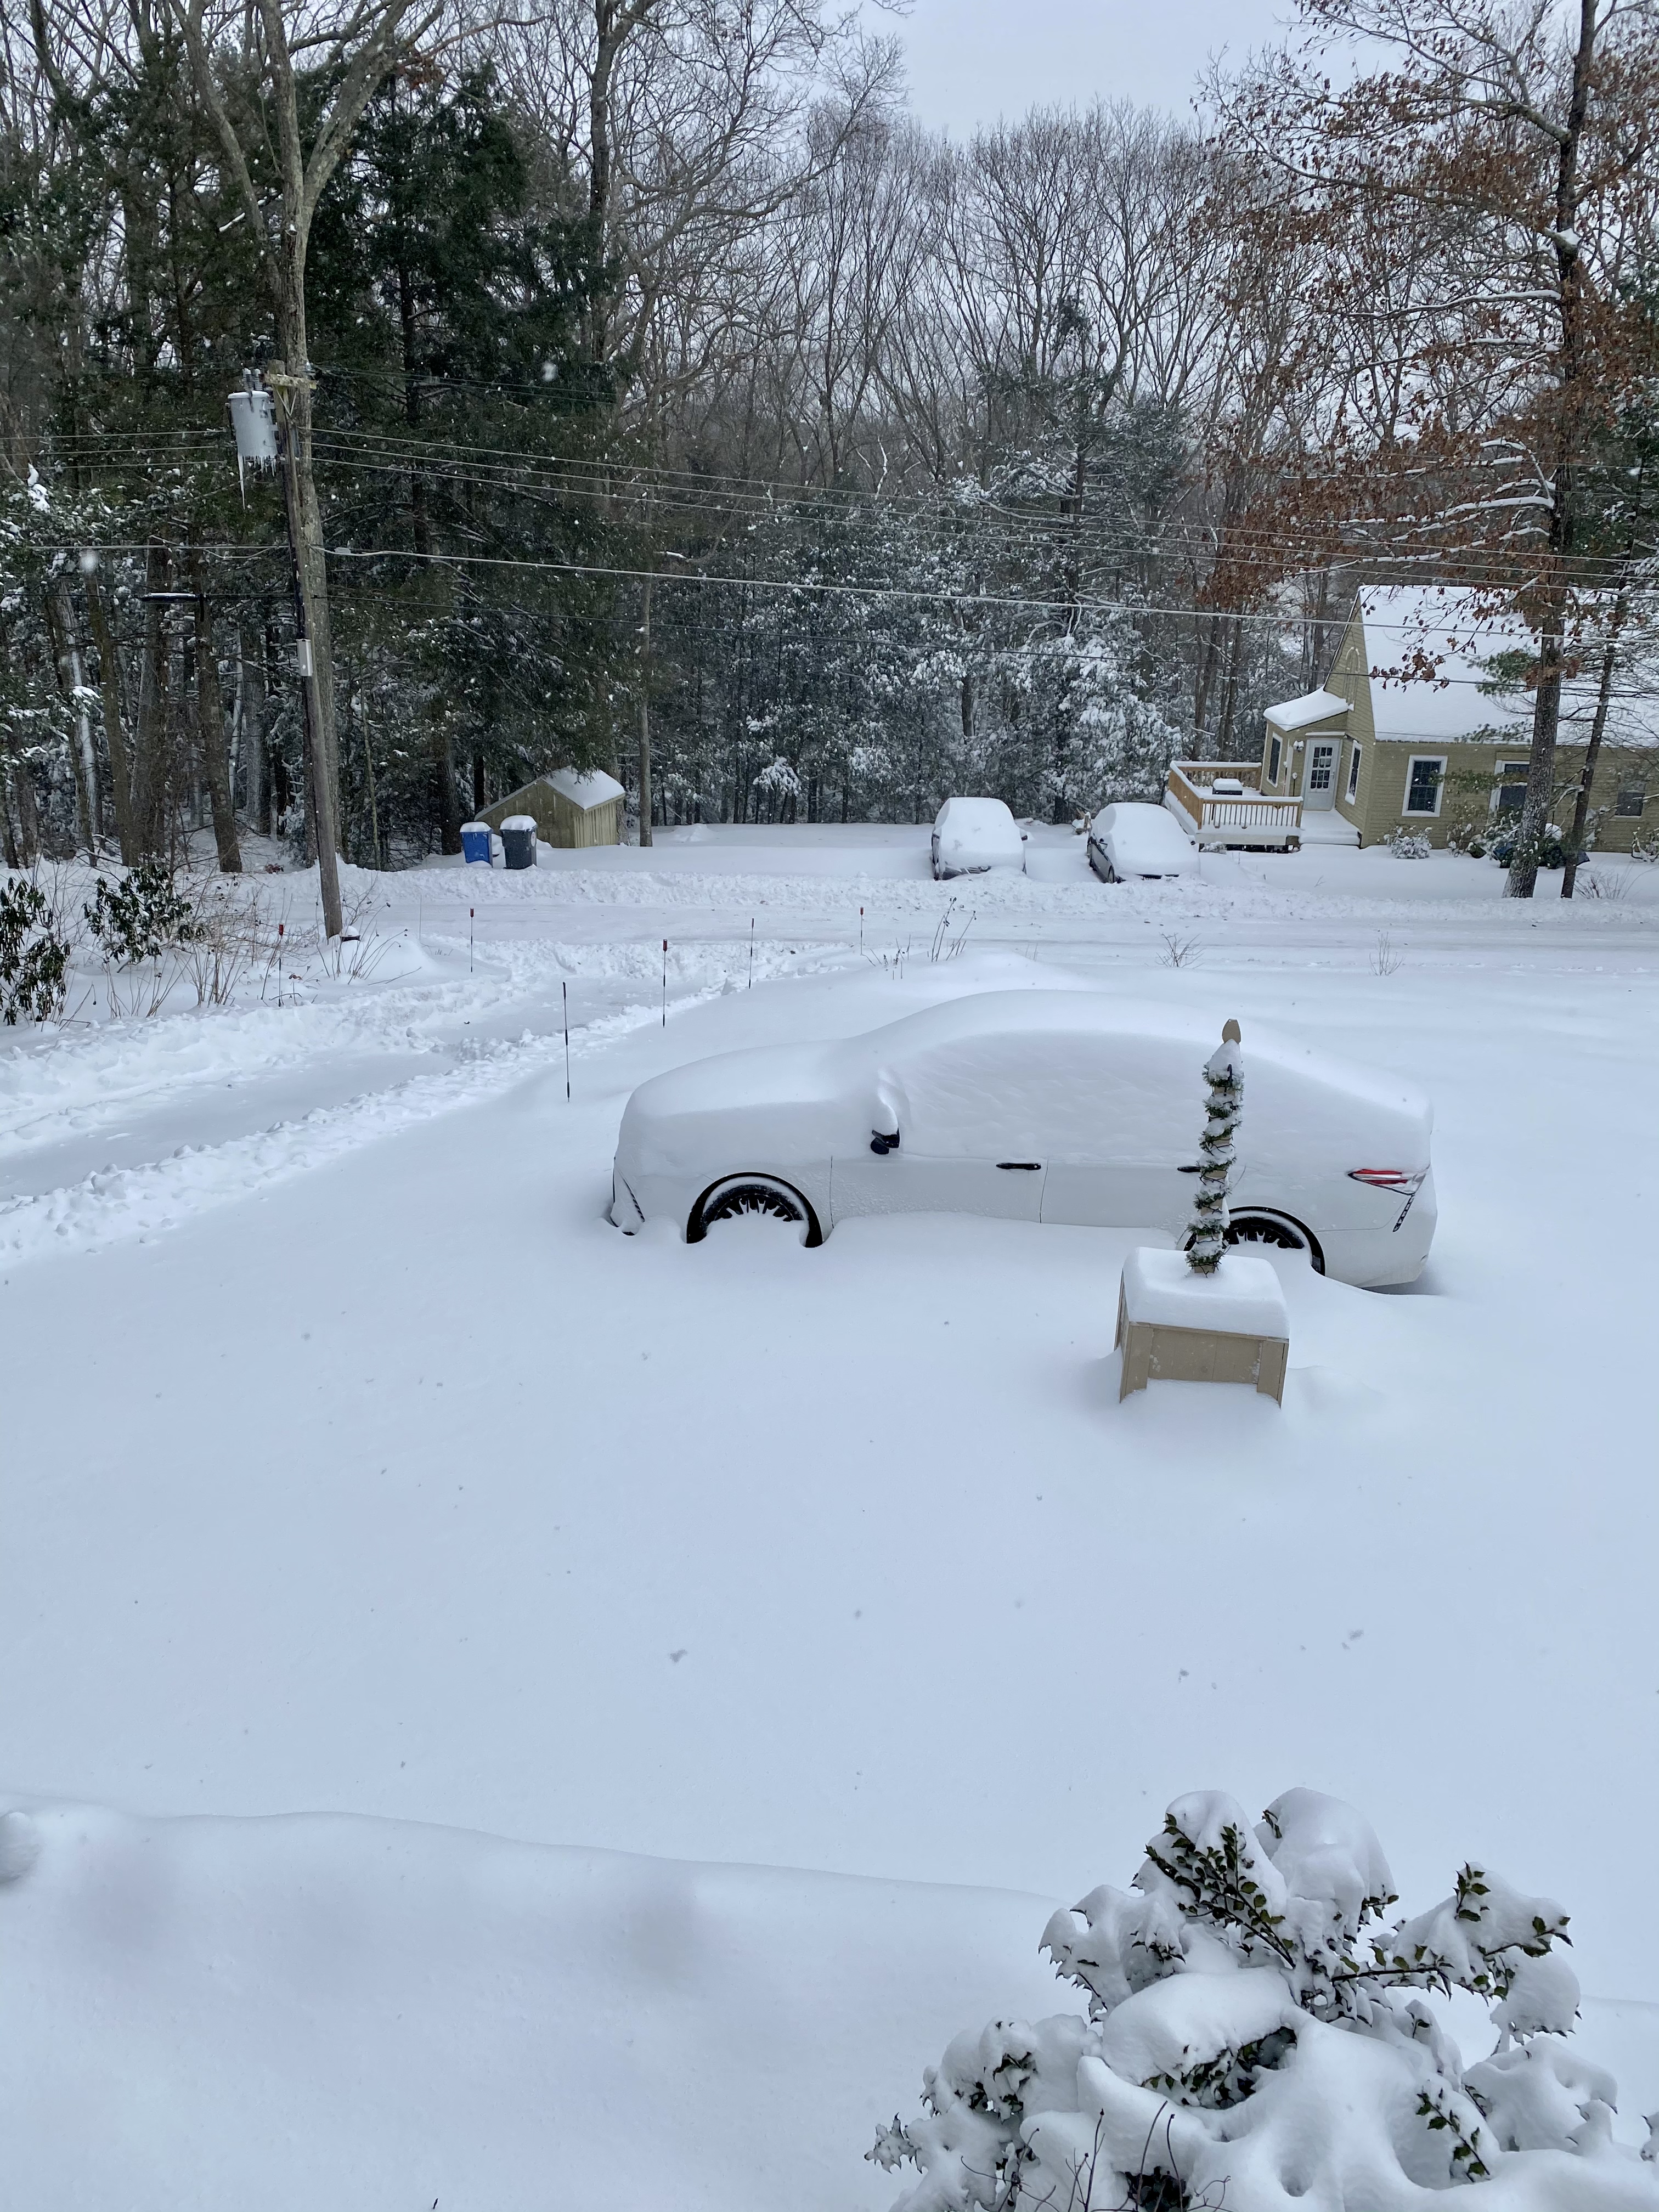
[[1388, 1178]]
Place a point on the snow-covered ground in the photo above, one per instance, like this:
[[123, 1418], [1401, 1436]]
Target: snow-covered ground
[[352, 1463]]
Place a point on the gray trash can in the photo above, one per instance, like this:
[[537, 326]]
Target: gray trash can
[[518, 841]]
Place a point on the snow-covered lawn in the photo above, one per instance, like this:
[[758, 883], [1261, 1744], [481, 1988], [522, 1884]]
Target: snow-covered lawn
[[352, 1463]]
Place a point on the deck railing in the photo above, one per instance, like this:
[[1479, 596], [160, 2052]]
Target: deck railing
[[1232, 818]]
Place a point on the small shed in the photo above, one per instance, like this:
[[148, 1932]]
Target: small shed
[[570, 808]]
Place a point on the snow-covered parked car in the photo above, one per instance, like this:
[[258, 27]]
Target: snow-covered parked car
[[973, 835], [1132, 840], [1035, 1106]]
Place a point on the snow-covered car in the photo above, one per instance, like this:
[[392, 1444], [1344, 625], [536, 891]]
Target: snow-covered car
[[1133, 840], [1035, 1106], [973, 835]]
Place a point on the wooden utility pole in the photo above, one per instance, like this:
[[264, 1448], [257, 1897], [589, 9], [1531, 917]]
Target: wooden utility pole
[[292, 396], [644, 719]]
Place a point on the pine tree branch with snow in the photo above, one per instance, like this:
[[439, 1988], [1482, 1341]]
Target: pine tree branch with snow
[[1254, 2033]]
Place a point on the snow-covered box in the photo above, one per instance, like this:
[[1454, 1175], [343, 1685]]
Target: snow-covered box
[[1175, 1325]]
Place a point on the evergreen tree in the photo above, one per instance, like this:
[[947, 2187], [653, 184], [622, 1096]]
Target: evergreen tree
[[1224, 1072]]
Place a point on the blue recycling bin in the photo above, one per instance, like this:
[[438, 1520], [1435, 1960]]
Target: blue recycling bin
[[474, 841]]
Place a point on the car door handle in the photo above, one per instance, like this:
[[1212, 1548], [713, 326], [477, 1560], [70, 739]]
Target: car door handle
[[1027, 1167]]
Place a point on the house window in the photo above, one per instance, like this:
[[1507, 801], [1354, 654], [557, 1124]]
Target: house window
[[1354, 775], [1630, 802], [1512, 794], [1424, 774], [1274, 753]]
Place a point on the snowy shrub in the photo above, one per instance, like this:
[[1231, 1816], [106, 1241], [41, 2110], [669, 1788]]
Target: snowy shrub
[[1644, 845], [1257, 2032], [143, 916], [1408, 844], [34, 956], [1549, 849]]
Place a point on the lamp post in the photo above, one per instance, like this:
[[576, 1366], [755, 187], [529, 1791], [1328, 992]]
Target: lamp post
[[262, 417]]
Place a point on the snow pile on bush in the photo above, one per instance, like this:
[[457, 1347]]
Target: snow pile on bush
[[1255, 2036]]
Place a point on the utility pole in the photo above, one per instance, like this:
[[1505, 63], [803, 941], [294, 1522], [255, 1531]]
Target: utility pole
[[291, 399], [644, 719]]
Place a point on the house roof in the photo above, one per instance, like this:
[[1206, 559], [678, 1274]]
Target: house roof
[[1311, 707], [1408, 627], [586, 792]]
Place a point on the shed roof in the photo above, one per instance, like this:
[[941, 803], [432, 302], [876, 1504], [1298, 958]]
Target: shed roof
[[1411, 629], [586, 792], [1311, 707]]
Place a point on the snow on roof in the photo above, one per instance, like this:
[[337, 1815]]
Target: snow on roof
[[1446, 628], [586, 792], [1311, 707]]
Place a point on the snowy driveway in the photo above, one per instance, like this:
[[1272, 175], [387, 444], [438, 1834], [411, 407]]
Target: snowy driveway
[[358, 1465], [945, 1611]]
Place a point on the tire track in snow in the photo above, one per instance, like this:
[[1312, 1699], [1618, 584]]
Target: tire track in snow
[[117, 1205]]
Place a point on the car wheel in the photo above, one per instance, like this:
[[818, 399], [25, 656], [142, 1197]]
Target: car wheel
[[751, 1198], [1277, 1233]]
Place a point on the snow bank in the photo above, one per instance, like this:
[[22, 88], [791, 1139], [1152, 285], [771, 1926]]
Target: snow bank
[[269, 2014]]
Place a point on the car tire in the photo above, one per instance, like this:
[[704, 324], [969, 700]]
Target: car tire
[[755, 1196], [1261, 1227]]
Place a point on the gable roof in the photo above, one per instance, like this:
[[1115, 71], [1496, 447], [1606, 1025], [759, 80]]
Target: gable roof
[[1311, 707], [1446, 628], [586, 791]]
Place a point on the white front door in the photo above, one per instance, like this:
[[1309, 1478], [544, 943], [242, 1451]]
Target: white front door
[[1318, 777]]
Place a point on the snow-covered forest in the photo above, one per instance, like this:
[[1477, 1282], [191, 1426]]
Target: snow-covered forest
[[680, 406]]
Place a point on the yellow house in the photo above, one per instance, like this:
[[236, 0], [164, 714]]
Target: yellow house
[[1410, 732]]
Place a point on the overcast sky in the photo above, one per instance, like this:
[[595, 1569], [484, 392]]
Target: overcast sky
[[971, 61]]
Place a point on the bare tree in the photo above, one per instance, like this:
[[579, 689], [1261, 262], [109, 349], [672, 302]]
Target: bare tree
[[1494, 181]]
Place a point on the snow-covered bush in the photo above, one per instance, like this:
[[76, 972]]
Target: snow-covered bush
[[141, 916], [35, 955], [1408, 844], [1257, 2033]]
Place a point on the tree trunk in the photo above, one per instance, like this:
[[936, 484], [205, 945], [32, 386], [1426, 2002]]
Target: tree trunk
[[28, 815], [210, 740], [71, 682], [268, 812], [1592, 753], [109, 689], [148, 768], [1224, 733], [449, 805], [1546, 709], [645, 720]]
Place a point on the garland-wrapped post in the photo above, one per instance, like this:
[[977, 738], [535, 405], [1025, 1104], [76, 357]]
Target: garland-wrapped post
[[1224, 1072]]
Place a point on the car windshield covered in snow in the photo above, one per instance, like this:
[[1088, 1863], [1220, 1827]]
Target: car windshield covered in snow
[[973, 835], [1134, 840]]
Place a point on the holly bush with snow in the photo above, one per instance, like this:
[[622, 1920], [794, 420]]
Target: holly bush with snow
[[1258, 2035]]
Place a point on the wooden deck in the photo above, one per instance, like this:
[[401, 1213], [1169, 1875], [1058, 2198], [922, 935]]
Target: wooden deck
[[1248, 819]]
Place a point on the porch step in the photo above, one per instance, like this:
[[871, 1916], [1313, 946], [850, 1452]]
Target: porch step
[[1326, 827]]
